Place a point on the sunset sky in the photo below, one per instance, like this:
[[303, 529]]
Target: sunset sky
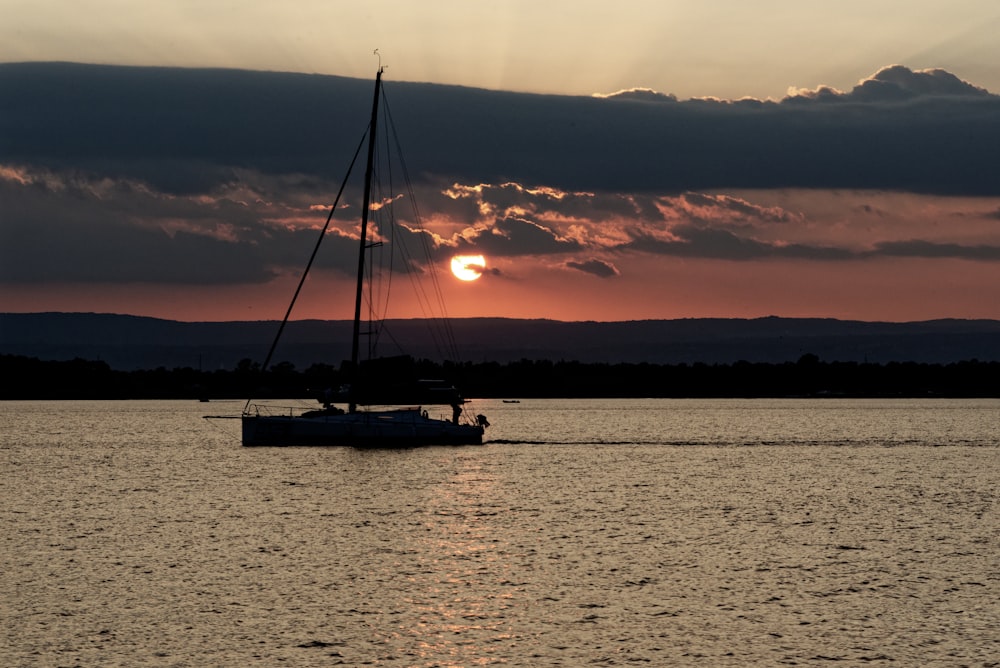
[[652, 160]]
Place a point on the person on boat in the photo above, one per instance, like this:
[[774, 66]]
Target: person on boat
[[456, 411], [482, 421]]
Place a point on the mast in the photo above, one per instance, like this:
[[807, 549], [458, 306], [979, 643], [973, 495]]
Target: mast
[[365, 206]]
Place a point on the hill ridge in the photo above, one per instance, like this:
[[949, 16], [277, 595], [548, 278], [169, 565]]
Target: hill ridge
[[134, 342]]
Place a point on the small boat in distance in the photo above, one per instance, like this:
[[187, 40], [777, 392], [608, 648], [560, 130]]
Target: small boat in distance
[[391, 426]]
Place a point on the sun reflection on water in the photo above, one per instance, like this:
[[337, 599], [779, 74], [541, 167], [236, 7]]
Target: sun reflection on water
[[453, 593]]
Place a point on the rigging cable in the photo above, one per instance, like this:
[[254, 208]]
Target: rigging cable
[[444, 339], [302, 280]]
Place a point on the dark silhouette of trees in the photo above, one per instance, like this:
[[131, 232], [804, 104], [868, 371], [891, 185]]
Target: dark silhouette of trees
[[31, 378]]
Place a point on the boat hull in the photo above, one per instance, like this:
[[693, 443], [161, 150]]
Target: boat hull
[[375, 429]]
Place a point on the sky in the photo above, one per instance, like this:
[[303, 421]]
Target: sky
[[661, 160]]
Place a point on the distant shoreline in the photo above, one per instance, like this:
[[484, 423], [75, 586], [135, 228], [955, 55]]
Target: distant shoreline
[[32, 378]]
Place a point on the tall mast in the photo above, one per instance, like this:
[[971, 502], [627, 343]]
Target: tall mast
[[365, 206]]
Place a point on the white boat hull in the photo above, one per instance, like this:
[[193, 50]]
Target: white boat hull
[[364, 429]]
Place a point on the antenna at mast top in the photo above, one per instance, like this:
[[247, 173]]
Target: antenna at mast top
[[379, 56]]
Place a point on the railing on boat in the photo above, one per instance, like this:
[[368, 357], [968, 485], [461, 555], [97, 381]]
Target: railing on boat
[[267, 410]]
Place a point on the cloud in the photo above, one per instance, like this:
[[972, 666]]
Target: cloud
[[726, 209], [514, 199], [926, 249], [638, 95], [693, 241], [517, 236], [186, 131], [65, 228], [598, 268], [158, 175], [893, 84], [697, 240]]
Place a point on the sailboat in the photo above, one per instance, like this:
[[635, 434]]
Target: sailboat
[[394, 424]]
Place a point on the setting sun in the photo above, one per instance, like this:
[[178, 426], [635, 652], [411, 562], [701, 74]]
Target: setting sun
[[468, 267]]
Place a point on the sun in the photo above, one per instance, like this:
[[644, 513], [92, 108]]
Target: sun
[[468, 267]]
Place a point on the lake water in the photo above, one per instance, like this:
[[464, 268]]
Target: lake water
[[680, 533]]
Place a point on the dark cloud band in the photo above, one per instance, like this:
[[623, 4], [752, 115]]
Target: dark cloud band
[[185, 130]]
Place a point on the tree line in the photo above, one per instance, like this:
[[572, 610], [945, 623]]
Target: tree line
[[31, 378]]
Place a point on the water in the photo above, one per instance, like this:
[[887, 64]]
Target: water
[[709, 533]]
